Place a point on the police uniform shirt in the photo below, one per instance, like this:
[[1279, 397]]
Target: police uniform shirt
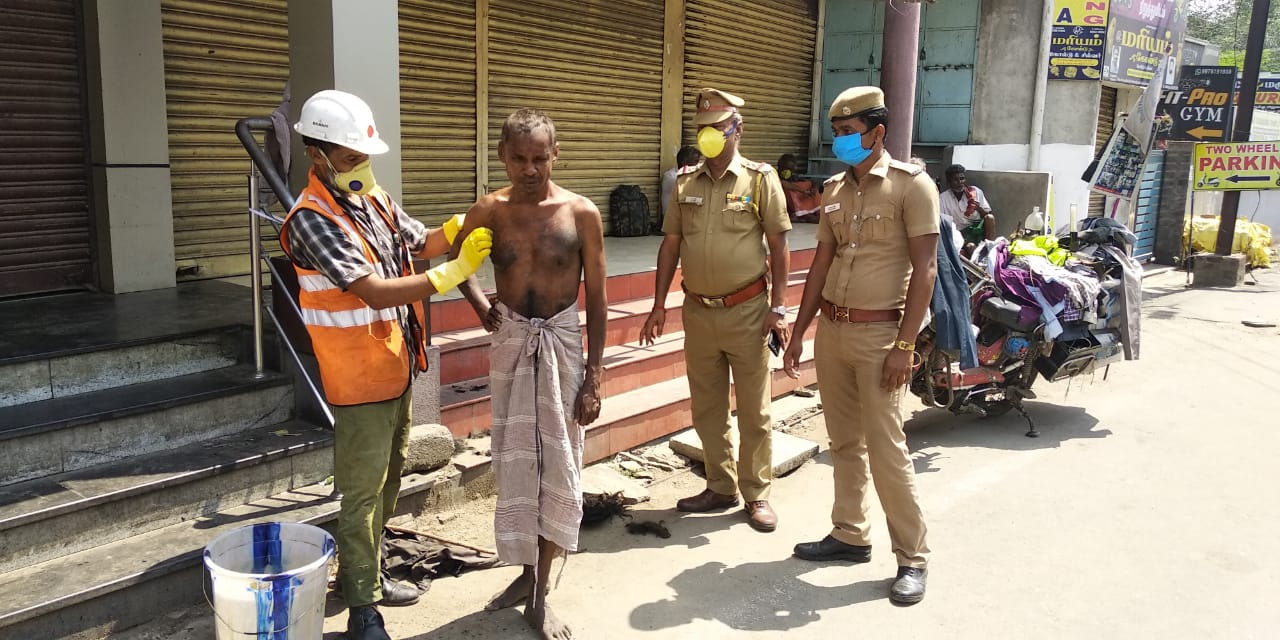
[[720, 230], [869, 223]]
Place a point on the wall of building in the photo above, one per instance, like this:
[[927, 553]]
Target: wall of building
[[1064, 162]]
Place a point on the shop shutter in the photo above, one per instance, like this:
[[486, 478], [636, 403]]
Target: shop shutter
[[44, 213], [596, 69], [438, 107], [762, 53], [223, 60], [1106, 124]]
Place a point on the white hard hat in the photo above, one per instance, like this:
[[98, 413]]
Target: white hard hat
[[341, 118]]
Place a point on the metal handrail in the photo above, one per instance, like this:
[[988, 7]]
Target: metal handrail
[[260, 164]]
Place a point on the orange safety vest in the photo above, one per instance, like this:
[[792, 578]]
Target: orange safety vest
[[362, 351]]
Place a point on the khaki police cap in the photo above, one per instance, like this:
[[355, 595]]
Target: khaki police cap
[[715, 106], [856, 100]]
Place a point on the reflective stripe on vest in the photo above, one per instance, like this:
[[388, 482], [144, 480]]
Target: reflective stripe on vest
[[363, 354]]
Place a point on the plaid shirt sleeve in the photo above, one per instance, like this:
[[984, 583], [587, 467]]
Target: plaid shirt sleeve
[[317, 243], [411, 229]]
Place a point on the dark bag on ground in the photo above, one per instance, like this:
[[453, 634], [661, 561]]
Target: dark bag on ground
[[628, 212]]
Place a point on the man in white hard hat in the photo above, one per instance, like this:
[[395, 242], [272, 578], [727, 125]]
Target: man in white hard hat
[[353, 249]]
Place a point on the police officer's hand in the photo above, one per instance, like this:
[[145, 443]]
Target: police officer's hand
[[897, 369], [777, 322], [791, 359], [587, 406], [653, 326]]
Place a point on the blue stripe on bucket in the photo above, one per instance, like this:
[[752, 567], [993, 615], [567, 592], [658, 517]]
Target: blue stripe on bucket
[[274, 602]]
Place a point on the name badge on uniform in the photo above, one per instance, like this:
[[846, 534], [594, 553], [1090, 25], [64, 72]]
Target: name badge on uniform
[[831, 207], [691, 200]]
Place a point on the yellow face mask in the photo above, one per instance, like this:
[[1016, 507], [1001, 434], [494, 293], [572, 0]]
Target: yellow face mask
[[359, 180], [711, 140]]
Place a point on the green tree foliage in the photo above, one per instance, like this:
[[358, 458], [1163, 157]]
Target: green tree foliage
[[1226, 24]]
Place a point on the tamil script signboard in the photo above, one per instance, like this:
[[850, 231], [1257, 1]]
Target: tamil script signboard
[[1078, 40], [1140, 33], [1236, 166], [1200, 106]]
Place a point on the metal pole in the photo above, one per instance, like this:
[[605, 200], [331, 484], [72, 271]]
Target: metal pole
[[899, 59], [255, 271], [1042, 82], [1244, 117]]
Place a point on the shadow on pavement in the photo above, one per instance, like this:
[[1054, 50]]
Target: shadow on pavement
[[506, 623], [757, 596], [687, 529]]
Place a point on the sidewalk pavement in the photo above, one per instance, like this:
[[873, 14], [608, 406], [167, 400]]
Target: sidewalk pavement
[[1148, 508]]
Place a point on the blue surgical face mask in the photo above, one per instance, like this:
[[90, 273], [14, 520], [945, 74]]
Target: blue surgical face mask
[[848, 148]]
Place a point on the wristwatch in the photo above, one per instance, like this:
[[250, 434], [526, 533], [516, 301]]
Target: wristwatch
[[780, 310], [904, 345]]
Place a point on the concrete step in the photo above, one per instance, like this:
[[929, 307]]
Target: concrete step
[[788, 451], [631, 419], [464, 353], [69, 512], [76, 432], [92, 593], [37, 377]]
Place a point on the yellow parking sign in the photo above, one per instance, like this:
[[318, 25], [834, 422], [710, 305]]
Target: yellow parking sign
[[1236, 166]]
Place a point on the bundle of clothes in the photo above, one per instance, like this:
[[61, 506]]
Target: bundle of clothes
[[1055, 286]]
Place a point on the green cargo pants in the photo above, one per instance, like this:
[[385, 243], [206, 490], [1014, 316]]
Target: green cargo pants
[[370, 445]]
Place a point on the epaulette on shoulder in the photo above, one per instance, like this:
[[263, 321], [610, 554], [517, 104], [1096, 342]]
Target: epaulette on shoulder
[[762, 167], [911, 169], [688, 169], [834, 178]]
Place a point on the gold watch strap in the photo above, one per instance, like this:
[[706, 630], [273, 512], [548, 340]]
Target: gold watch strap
[[904, 345]]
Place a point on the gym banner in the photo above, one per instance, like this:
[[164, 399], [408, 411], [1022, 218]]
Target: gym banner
[[1140, 33], [1079, 39]]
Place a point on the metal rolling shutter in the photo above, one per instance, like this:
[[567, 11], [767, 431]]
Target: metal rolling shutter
[[223, 60], [438, 107], [763, 55], [1106, 124], [44, 214], [596, 69]]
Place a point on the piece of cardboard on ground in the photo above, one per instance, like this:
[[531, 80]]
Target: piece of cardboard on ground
[[789, 452]]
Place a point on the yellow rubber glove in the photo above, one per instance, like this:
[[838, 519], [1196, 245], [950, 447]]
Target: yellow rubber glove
[[474, 250], [452, 226]]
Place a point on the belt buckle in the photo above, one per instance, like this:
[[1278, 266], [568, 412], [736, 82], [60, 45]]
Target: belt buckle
[[841, 313], [712, 302]]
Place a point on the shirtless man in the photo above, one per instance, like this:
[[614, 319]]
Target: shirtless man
[[546, 240]]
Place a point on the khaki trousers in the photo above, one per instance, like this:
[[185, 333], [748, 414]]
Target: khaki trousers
[[370, 445], [717, 341], [865, 426]]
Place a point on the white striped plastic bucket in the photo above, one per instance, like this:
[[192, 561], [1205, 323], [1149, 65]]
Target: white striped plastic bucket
[[269, 580]]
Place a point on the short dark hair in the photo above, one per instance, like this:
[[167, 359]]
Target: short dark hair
[[526, 121], [788, 158], [873, 117], [954, 170], [687, 155], [324, 147]]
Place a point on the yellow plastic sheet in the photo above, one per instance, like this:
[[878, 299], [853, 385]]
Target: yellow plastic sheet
[[1046, 246], [1251, 238]]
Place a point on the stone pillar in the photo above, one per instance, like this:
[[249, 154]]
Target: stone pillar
[[132, 196], [353, 46], [1174, 196], [898, 74]]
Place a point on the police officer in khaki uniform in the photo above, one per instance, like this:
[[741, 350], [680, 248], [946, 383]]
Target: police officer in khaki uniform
[[722, 213], [872, 279]]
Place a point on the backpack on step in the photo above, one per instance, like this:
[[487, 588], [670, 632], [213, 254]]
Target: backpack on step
[[628, 211]]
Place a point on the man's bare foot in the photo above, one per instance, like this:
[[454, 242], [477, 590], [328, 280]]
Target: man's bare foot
[[515, 593], [547, 624]]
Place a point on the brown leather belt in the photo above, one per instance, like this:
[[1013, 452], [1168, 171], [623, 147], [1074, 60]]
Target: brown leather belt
[[728, 300], [845, 314]]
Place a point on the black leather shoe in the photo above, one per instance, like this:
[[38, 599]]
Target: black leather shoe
[[909, 587], [398, 594], [829, 548], [365, 623]]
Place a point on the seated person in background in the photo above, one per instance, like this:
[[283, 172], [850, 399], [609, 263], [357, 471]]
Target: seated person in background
[[803, 194], [954, 237], [968, 207], [687, 156]]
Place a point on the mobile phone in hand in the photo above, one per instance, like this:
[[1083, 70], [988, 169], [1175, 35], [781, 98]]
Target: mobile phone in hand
[[775, 342]]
